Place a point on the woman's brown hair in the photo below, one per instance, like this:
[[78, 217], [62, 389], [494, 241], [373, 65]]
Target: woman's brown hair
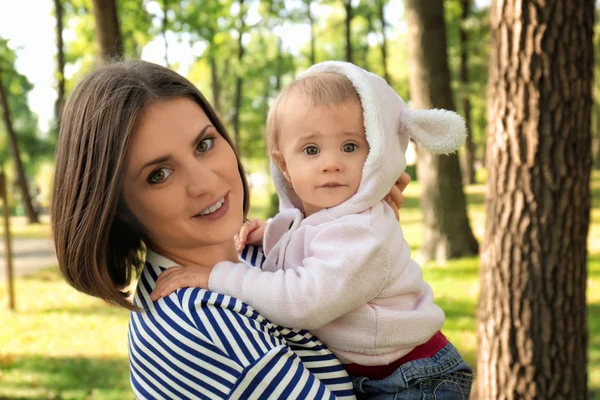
[[98, 251]]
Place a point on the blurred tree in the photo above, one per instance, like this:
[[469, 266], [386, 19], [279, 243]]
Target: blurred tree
[[60, 66], [348, 32], [532, 327], [468, 156], [14, 145], [596, 95], [239, 79], [209, 26], [447, 230], [311, 21], [383, 28], [108, 33], [164, 28]]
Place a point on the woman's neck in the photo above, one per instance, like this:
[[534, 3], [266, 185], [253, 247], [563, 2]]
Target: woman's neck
[[206, 256]]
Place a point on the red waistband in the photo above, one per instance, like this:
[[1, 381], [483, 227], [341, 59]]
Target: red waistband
[[425, 350]]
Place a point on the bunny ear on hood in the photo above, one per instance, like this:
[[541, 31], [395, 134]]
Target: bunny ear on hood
[[440, 131]]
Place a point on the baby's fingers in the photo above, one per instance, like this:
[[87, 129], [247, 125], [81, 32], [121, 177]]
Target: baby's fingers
[[242, 236]]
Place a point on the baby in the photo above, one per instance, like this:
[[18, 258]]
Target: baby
[[337, 261]]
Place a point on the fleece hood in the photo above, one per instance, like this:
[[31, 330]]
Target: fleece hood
[[389, 124]]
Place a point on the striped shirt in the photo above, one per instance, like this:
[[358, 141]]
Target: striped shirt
[[198, 344]]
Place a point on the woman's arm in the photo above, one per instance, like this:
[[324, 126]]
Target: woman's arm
[[199, 344]]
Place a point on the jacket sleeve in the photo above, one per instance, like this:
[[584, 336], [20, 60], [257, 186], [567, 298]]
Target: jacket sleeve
[[346, 267]]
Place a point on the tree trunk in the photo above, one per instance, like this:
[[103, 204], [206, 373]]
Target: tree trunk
[[164, 27], [215, 83], [532, 328], [596, 145], [60, 61], [447, 230], [468, 155], [108, 35], [311, 20], [279, 69], [14, 145], [348, 22], [238, 80], [381, 12]]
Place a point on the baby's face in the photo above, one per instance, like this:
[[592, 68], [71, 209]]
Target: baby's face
[[322, 151]]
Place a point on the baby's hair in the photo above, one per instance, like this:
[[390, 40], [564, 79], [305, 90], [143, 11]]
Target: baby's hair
[[320, 89]]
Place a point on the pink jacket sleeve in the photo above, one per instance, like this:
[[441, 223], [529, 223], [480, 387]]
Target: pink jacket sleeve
[[345, 267]]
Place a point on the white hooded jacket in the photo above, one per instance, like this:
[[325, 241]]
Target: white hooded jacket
[[345, 272]]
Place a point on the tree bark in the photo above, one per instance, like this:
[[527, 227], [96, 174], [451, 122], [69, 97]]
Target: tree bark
[[60, 61], [32, 214], [532, 328], [108, 34], [239, 79], [348, 33], [447, 230], [381, 13], [468, 155]]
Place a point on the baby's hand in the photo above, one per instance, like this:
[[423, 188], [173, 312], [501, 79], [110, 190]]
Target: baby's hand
[[178, 277], [395, 198], [252, 232]]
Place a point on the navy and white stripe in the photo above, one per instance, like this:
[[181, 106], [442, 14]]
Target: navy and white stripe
[[197, 344]]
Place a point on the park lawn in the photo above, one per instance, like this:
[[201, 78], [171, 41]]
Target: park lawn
[[19, 228], [61, 344]]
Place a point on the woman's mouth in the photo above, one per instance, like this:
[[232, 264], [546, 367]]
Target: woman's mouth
[[216, 211]]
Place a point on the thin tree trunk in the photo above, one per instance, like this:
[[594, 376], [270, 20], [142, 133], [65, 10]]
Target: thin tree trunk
[[32, 214], [239, 79], [215, 83], [60, 61], [108, 33], [447, 230], [311, 20], [348, 33], [468, 155], [381, 13], [532, 328], [596, 134], [165, 25], [279, 64]]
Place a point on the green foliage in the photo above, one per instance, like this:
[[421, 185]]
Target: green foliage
[[33, 148]]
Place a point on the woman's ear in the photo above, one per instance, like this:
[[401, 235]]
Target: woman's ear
[[280, 162]]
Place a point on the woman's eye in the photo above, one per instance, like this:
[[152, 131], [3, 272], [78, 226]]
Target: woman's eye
[[206, 145], [349, 147], [159, 175], [311, 150]]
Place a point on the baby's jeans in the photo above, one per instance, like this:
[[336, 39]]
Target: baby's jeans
[[442, 377]]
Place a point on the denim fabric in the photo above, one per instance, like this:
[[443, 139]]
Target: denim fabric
[[444, 376]]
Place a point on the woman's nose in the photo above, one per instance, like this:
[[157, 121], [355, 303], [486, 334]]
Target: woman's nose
[[201, 180]]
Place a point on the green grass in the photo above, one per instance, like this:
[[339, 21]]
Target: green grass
[[19, 228], [61, 344]]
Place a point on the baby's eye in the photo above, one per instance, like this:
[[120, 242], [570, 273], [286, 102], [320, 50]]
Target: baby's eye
[[159, 175], [349, 147], [311, 150], [205, 145]]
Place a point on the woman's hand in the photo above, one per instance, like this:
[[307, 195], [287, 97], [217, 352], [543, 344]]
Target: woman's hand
[[395, 198], [178, 277], [252, 232]]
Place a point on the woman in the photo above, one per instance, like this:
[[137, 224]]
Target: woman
[[146, 178]]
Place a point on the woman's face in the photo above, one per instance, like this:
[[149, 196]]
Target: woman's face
[[182, 183]]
